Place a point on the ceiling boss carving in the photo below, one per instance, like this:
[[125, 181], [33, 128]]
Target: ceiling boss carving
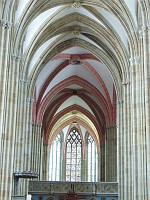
[[76, 5], [75, 62], [77, 32]]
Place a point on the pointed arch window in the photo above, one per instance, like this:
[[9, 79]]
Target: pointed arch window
[[92, 159], [73, 156], [67, 153], [55, 159]]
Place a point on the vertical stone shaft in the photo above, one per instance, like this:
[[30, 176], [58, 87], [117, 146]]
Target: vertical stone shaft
[[36, 148], [4, 45], [120, 154], [111, 155], [10, 129], [146, 111], [101, 161]]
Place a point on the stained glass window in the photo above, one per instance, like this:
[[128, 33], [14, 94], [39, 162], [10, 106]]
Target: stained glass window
[[73, 156], [92, 159], [71, 160], [54, 162]]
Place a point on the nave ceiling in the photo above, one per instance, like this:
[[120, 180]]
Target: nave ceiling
[[75, 57]]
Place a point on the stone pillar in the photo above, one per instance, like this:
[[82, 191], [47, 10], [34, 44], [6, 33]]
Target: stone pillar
[[101, 163], [146, 110], [63, 170], [4, 63], [124, 142], [5, 27], [20, 131], [9, 133], [36, 147], [45, 162], [84, 170], [41, 160], [131, 136], [9, 130], [111, 155], [61, 157], [27, 141], [136, 130]]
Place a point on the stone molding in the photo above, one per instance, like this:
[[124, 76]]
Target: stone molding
[[26, 174], [54, 187], [18, 197]]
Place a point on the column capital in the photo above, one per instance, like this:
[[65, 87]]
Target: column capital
[[5, 23], [30, 100], [16, 57], [125, 83], [45, 144], [141, 1], [142, 30], [36, 125], [24, 82], [102, 146], [135, 60], [120, 101], [111, 126]]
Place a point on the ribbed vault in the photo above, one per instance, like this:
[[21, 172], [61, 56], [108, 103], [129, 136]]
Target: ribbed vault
[[76, 56], [75, 65]]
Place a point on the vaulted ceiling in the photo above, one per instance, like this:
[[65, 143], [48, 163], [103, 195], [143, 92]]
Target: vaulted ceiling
[[75, 57]]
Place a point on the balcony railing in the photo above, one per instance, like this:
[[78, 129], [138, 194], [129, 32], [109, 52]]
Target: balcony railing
[[18, 198], [57, 187]]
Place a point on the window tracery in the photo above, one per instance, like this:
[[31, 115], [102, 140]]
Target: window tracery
[[73, 156]]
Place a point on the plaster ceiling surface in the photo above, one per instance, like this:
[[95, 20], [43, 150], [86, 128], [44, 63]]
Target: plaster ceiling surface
[[74, 55], [74, 100]]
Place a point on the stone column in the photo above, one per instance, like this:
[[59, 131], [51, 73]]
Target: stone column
[[45, 162], [4, 63], [124, 142], [84, 165], [84, 170], [146, 110], [27, 140], [63, 170], [20, 131], [36, 147], [131, 136], [4, 55], [63, 162], [101, 163], [61, 157], [136, 129], [41, 160], [111, 155], [9, 131]]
